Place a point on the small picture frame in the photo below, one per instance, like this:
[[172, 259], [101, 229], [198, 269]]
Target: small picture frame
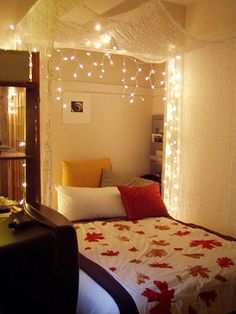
[[76, 108], [157, 137]]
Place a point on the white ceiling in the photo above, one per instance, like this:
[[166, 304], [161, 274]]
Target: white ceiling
[[12, 11]]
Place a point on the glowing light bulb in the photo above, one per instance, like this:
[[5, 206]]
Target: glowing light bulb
[[24, 184], [88, 43], [98, 27], [106, 38], [57, 68], [12, 26], [75, 75], [64, 106], [22, 144], [131, 101], [89, 74], [98, 45]]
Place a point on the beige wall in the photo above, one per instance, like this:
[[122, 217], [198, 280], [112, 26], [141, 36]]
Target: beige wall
[[118, 129], [208, 138]]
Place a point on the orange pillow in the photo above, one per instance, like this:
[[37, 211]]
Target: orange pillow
[[142, 201], [84, 173]]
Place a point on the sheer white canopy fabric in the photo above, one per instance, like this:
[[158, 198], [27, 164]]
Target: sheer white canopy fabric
[[147, 32]]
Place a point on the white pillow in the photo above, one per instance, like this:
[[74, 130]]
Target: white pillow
[[78, 203]]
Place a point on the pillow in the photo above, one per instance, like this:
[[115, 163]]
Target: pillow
[[142, 202], [78, 203], [84, 173], [111, 179]]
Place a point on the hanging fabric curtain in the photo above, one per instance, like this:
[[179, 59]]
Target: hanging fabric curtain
[[147, 32]]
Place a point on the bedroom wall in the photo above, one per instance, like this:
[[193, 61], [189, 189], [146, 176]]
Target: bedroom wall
[[208, 153], [118, 129]]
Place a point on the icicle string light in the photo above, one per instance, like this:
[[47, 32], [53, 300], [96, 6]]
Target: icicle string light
[[129, 82], [172, 131]]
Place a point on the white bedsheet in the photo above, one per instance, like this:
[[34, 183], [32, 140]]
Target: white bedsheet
[[93, 299]]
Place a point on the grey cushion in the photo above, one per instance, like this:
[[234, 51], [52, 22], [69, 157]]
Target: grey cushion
[[111, 179]]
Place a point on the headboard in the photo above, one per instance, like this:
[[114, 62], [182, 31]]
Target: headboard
[[84, 173]]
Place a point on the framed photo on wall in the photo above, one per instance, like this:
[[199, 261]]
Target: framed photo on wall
[[76, 108]]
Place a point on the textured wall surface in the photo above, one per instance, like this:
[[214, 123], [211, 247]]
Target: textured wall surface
[[208, 140]]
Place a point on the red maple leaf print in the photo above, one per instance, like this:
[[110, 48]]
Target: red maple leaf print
[[160, 265], [122, 227], [94, 237], [133, 249], [104, 223], [164, 298], [206, 244], [221, 278], [194, 255], [225, 262], [162, 227], [182, 233], [134, 221], [199, 270], [140, 232], [178, 249], [110, 253], [208, 297], [112, 268]]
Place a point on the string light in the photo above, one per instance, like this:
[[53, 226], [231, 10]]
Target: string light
[[172, 126], [98, 67]]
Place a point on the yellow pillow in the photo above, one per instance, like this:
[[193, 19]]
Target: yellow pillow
[[84, 173]]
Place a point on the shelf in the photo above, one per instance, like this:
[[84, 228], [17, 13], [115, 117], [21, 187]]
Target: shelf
[[14, 156]]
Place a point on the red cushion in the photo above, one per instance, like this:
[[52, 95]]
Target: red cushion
[[142, 201]]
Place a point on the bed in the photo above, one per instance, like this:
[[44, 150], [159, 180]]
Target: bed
[[135, 258]]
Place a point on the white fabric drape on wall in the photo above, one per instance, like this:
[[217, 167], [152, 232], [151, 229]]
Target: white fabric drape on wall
[[208, 138]]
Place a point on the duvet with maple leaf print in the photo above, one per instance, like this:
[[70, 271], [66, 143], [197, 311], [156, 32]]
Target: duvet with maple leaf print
[[165, 266]]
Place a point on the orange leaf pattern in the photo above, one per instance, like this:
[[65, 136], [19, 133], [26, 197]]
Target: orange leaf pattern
[[156, 252], [141, 278]]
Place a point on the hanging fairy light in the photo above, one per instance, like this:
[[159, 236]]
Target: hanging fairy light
[[172, 130], [97, 66]]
